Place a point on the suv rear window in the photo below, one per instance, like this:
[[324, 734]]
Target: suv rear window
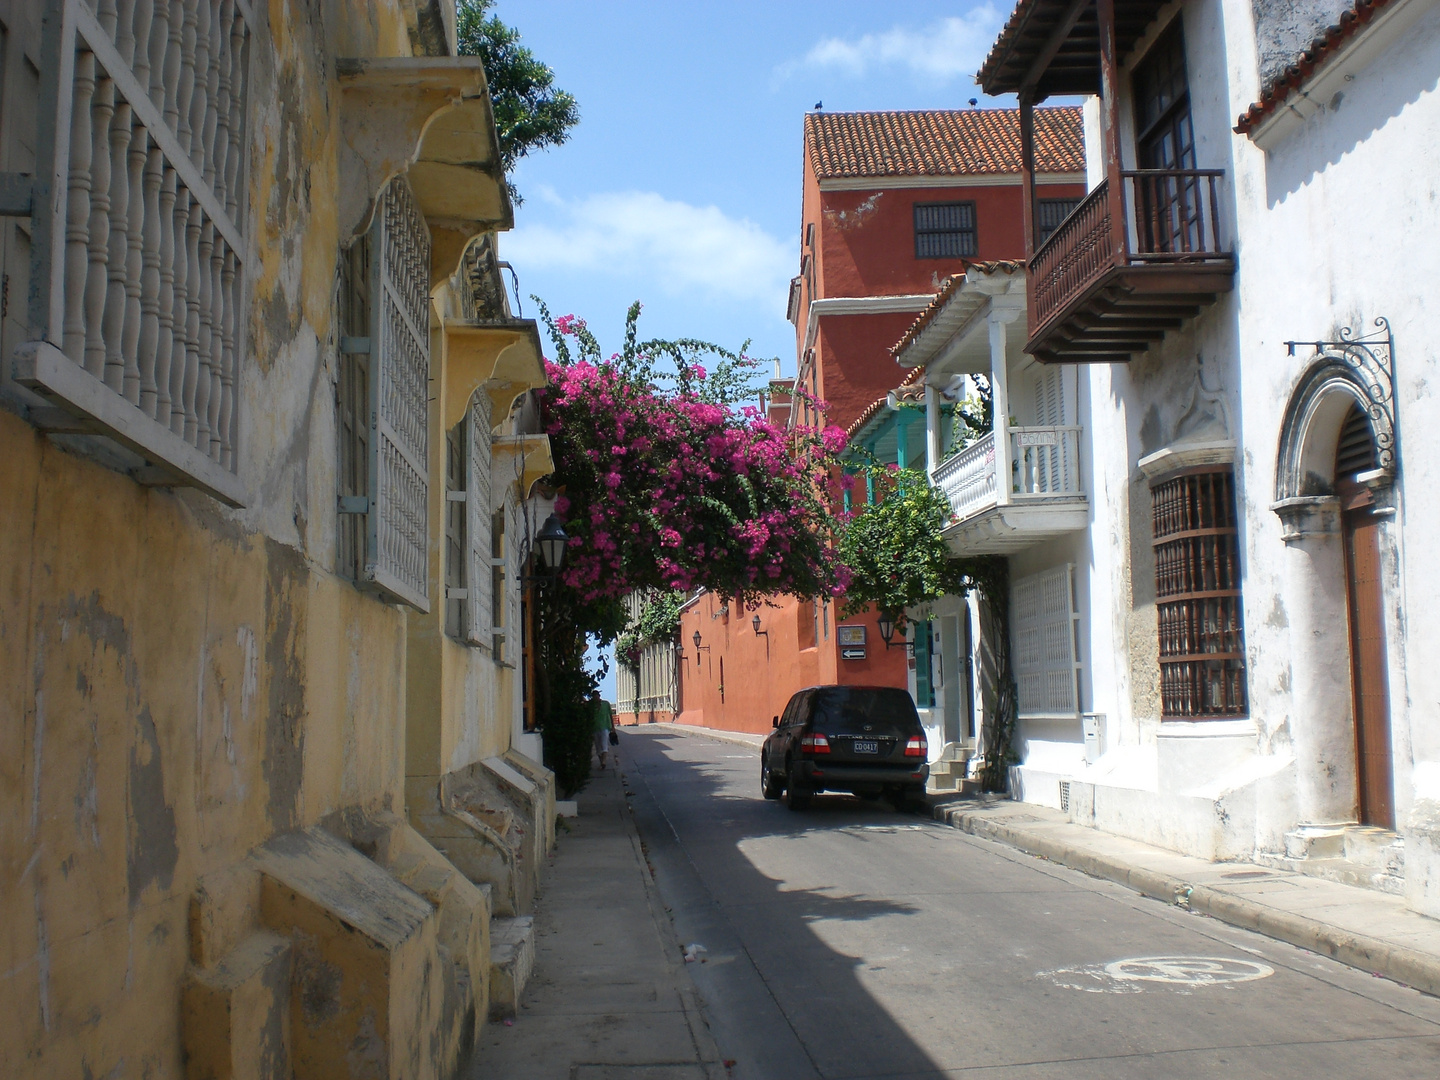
[[845, 710]]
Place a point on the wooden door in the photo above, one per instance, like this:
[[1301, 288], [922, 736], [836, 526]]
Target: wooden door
[[1365, 603]]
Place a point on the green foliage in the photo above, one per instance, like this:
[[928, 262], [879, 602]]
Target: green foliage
[[530, 113], [893, 547], [568, 726], [627, 649], [660, 620], [974, 417], [898, 560]]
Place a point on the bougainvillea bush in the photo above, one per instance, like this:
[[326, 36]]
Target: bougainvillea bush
[[668, 483]]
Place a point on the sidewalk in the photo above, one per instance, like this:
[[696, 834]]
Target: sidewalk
[[1369, 930], [1363, 928], [609, 998]]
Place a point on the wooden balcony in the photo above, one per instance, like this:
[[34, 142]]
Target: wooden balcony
[[1118, 273]]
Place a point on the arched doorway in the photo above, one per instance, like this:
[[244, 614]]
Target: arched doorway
[[1360, 529]]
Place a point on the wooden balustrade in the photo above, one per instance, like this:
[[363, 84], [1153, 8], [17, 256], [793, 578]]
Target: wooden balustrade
[[1102, 288]]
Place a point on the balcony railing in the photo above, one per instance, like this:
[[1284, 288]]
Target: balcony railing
[[969, 478], [1163, 254], [1044, 462], [138, 231]]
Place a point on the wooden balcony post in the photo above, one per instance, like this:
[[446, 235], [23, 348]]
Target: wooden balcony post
[[1027, 168], [1027, 190], [1110, 98]]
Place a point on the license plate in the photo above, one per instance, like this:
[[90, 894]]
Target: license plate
[[866, 746]]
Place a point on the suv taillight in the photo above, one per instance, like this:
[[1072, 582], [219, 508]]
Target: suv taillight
[[814, 742], [916, 746]]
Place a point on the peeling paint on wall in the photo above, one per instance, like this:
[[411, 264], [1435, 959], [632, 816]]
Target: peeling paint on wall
[[845, 220], [286, 581], [153, 850]]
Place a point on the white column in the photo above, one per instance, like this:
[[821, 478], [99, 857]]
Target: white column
[[1321, 727], [932, 430], [1000, 397]]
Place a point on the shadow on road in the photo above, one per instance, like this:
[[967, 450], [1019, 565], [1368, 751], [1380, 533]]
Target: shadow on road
[[781, 999]]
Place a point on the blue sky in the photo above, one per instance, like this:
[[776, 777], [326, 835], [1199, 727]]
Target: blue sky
[[680, 187]]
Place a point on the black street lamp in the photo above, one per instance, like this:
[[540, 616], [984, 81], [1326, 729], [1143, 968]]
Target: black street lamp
[[553, 541], [755, 622], [887, 628], [695, 637]]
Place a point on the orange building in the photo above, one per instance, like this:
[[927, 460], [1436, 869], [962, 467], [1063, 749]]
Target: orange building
[[893, 203]]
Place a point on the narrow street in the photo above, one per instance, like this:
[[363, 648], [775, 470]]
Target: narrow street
[[851, 941]]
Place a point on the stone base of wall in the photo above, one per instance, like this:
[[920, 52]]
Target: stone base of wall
[[649, 716], [348, 948]]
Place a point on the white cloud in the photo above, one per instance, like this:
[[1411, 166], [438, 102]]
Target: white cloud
[[948, 49], [676, 246]]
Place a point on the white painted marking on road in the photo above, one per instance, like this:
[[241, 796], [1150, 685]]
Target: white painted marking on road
[[1189, 970], [1181, 973]]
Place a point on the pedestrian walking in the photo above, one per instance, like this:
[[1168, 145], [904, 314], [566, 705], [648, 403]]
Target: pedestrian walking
[[604, 720]]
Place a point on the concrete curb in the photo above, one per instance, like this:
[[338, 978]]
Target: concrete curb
[[1407, 966]]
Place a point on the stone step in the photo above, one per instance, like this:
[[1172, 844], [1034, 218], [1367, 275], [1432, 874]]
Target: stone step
[[1367, 845], [1359, 855], [952, 784], [512, 959]]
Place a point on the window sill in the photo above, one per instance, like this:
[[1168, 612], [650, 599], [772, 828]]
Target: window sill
[[87, 406]]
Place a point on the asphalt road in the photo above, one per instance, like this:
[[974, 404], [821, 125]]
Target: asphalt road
[[851, 941]]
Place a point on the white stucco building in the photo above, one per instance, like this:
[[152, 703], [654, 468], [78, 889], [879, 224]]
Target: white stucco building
[[1217, 526]]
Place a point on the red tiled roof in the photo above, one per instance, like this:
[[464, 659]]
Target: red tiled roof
[[1274, 92], [908, 390], [940, 142], [947, 289]]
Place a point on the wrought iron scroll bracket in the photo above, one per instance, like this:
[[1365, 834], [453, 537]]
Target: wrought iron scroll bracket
[[1370, 360]]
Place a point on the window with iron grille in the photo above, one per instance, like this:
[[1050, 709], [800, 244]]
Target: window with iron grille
[[1197, 587], [945, 230], [497, 583], [457, 555], [384, 404], [478, 621], [1049, 213]]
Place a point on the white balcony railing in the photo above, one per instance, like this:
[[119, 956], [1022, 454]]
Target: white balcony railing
[[969, 478], [1044, 461]]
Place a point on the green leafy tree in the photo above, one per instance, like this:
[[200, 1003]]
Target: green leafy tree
[[894, 549], [660, 620], [530, 113], [898, 560]]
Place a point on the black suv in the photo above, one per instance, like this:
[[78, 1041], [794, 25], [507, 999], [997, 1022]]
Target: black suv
[[866, 740]]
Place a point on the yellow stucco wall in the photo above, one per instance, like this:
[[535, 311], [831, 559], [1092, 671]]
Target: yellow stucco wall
[[179, 683], [175, 691]]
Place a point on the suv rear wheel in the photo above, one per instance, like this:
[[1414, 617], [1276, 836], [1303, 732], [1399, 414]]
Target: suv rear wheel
[[797, 795], [770, 784]]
